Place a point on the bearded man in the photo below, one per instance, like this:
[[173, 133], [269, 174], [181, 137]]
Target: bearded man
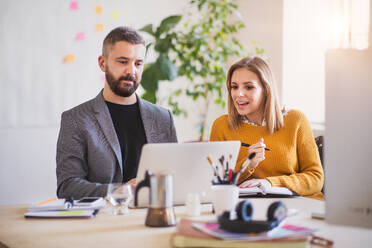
[[100, 141]]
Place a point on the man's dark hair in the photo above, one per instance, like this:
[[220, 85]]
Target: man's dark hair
[[121, 34]]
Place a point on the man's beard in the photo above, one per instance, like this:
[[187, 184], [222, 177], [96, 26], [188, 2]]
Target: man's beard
[[119, 88]]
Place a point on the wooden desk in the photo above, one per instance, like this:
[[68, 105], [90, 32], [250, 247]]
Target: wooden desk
[[107, 230]]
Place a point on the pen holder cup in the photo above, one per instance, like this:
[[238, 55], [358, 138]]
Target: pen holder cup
[[224, 197]]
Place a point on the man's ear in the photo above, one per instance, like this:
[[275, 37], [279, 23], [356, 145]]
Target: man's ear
[[102, 63]]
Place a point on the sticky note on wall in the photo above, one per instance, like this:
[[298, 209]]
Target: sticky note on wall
[[115, 14], [74, 5], [98, 9], [99, 27], [69, 58], [80, 36]]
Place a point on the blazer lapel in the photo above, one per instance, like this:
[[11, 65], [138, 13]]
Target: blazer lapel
[[147, 120], [104, 119]]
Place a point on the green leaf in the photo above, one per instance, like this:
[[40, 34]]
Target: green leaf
[[177, 92], [176, 110], [150, 78], [167, 24], [147, 48], [167, 70], [201, 3], [149, 96], [148, 29], [163, 45]]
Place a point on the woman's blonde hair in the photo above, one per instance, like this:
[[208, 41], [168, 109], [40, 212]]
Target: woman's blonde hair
[[272, 113]]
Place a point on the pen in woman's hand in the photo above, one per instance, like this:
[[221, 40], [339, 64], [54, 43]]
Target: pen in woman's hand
[[248, 145]]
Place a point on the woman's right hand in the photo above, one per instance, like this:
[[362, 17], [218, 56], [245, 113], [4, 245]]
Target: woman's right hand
[[259, 149]]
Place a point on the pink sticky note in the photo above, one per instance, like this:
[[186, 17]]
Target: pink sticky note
[[80, 36], [74, 5]]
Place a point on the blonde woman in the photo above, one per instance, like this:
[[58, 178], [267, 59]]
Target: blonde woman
[[254, 117]]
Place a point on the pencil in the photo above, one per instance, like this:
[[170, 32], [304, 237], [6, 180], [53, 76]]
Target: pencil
[[214, 169], [45, 202], [248, 145]]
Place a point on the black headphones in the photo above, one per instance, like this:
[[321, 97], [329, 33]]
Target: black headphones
[[244, 224]]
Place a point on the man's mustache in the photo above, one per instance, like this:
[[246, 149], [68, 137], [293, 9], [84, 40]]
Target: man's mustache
[[128, 78]]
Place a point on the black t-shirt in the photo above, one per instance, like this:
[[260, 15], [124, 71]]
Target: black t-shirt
[[131, 134]]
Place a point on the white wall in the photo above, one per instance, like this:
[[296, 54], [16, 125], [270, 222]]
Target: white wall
[[36, 86], [35, 35]]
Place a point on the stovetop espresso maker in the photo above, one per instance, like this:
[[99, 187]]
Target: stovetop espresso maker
[[160, 212]]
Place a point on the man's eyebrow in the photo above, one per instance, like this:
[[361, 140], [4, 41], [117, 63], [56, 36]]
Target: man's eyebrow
[[125, 58], [122, 57]]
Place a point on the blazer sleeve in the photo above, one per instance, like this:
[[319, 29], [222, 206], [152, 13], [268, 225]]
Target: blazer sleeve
[[309, 178], [72, 166], [172, 129]]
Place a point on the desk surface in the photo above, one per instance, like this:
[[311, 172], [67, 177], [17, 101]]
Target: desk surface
[[107, 230]]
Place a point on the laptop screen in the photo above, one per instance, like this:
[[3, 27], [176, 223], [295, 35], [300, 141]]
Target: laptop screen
[[188, 163]]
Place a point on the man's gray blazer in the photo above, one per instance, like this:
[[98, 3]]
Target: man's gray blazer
[[88, 149]]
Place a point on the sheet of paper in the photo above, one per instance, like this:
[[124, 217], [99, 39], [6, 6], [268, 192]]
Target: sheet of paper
[[61, 214], [284, 231]]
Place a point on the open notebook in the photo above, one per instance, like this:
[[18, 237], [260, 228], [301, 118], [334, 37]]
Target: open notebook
[[57, 208], [271, 192]]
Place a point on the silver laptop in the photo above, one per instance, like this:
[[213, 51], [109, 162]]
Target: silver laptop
[[188, 163]]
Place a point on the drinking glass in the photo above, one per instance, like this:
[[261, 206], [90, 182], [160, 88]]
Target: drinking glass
[[120, 196]]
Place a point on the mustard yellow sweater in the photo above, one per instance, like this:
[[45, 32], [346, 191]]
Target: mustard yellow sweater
[[293, 161]]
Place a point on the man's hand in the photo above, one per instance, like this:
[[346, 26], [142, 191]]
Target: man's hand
[[132, 183]]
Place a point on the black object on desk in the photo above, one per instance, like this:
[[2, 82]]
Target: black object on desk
[[260, 195], [276, 213], [69, 202]]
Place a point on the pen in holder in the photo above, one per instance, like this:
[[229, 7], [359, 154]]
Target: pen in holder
[[224, 190], [228, 175]]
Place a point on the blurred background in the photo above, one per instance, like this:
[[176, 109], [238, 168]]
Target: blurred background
[[49, 52]]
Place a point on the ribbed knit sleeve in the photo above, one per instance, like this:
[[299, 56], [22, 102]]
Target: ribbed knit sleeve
[[308, 179]]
